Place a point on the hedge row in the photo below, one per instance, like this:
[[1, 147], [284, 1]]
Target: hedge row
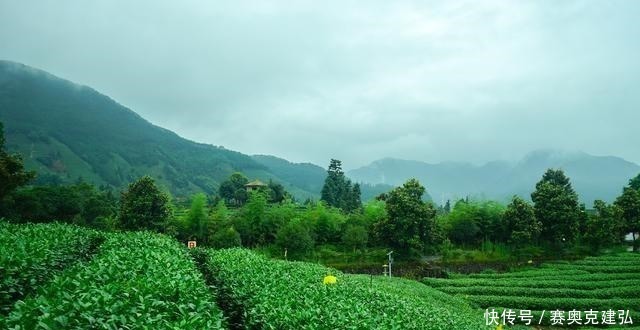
[[552, 303], [260, 293], [533, 283], [604, 293], [33, 253], [136, 281]]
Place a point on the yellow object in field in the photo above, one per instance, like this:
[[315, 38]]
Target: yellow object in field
[[499, 327], [330, 279]]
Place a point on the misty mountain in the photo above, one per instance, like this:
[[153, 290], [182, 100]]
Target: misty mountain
[[593, 177], [310, 177], [67, 131]]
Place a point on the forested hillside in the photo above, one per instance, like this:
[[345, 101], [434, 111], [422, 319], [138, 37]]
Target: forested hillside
[[67, 131]]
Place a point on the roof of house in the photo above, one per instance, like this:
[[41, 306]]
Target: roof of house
[[255, 183]]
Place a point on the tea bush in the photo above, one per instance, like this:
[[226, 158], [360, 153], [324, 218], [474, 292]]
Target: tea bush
[[137, 280], [33, 253]]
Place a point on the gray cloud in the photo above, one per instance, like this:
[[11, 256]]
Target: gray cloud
[[433, 81]]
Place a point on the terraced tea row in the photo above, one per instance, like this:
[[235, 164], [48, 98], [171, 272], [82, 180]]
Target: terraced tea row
[[605, 293], [270, 294], [33, 253], [532, 283], [599, 283], [136, 280]]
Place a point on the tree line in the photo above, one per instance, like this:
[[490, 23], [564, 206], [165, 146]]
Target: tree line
[[400, 219]]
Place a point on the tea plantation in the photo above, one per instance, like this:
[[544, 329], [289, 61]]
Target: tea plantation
[[55, 276], [598, 283]]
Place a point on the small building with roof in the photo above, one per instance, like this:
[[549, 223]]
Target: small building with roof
[[255, 185]]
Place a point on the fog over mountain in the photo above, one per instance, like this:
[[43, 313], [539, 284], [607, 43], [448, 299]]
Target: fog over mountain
[[593, 177], [469, 81]]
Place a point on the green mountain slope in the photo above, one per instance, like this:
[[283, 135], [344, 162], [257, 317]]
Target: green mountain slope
[[310, 177], [66, 131], [306, 176]]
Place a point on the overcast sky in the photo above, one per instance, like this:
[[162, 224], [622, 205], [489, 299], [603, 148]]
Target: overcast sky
[[358, 81]]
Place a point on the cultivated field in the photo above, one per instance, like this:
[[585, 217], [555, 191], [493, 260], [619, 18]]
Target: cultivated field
[[603, 283], [55, 276], [64, 277]]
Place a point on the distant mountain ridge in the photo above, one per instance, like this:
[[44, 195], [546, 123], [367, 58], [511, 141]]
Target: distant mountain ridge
[[593, 177], [67, 131]]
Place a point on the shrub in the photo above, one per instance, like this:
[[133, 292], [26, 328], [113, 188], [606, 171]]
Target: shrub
[[137, 280], [33, 253]]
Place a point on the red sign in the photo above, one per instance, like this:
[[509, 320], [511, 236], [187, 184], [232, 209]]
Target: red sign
[[191, 244]]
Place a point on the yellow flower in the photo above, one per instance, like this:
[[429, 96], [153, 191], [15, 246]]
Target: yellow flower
[[499, 327], [330, 279]]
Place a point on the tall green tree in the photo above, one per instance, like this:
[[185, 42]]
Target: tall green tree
[[521, 223], [635, 183], [629, 206], [355, 202], [277, 194], [355, 237], [472, 222], [338, 191], [556, 207], [251, 219], [144, 207], [233, 190], [12, 172], [602, 228], [197, 217], [410, 225], [296, 238]]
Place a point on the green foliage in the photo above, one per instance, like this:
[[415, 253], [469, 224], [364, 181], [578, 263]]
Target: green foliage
[[326, 223], [470, 223], [634, 183], [251, 219], [80, 132], [276, 191], [603, 228], [463, 230], [12, 172], [295, 237], [355, 237], [137, 280], [268, 294], [33, 253], [226, 238], [522, 227], [80, 204], [410, 226], [338, 191], [233, 190], [607, 282], [197, 218], [144, 206], [556, 207], [629, 207]]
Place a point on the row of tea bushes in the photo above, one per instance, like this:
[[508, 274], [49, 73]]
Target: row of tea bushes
[[260, 293], [33, 253], [600, 283], [137, 280]]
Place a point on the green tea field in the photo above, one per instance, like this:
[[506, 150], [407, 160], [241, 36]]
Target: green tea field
[[57, 276], [603, 283]]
